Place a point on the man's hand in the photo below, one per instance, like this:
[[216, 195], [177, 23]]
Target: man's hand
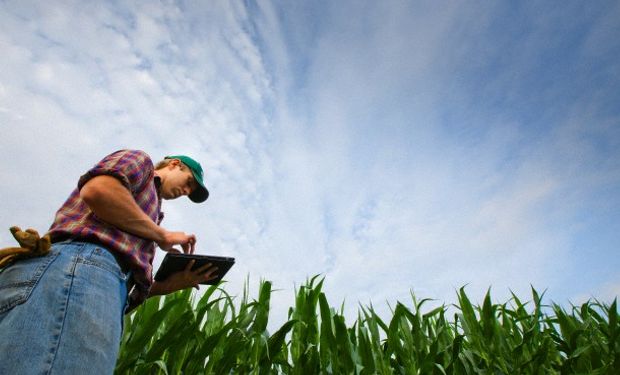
[[187, 242], [184, 279]]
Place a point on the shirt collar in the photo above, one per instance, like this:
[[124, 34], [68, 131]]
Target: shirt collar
[[157, 180]]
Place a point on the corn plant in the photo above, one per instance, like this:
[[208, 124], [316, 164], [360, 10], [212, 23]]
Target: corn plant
[[218, 334]]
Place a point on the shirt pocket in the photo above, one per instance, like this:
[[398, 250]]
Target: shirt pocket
[[19, 279]]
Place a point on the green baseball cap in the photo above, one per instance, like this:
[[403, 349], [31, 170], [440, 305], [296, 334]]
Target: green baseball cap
[[201, 193]]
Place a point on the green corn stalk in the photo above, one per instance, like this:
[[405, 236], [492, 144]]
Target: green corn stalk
[[218, 334]]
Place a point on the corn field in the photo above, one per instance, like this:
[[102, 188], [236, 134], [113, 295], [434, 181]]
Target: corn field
[[214, 334]]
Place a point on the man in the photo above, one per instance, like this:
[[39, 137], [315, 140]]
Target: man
[[62, 313]]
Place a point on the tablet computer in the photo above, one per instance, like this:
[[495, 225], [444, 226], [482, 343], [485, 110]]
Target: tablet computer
[[175, 262]]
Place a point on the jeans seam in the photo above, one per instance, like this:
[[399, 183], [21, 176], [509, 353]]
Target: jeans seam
[[62, 316]]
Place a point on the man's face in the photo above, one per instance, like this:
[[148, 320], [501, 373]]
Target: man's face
[[179, 181]]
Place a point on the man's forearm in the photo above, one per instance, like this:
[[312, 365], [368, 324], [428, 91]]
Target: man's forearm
[[115, 205]]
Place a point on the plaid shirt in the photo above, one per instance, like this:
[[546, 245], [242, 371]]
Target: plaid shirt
[[75, 221]]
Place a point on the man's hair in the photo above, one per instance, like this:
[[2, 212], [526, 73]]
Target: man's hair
[[164, 163]]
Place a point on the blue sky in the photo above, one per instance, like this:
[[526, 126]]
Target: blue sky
[[390, 146]]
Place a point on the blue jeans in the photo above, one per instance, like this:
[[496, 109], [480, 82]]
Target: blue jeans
[[62, 313]]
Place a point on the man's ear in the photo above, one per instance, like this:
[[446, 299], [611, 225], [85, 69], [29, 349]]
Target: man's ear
[[173, 163]]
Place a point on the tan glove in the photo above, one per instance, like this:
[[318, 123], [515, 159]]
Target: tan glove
[[31, 245]]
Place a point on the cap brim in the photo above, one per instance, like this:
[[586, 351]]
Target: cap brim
[[200, 195]]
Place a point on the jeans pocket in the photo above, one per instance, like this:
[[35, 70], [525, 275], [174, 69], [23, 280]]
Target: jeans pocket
[[99, 257], [19, 279]]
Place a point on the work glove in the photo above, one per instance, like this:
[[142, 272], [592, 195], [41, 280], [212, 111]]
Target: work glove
[[31, 245]]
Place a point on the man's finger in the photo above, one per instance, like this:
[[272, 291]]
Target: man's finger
[[211, 276], [190, 264], [205, 268], [192, 244], [186, 248]]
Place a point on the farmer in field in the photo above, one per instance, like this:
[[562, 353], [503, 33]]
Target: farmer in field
[[62, 312]]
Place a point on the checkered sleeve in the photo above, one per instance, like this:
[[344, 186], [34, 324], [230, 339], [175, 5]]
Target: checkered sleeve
[[128, 166]]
